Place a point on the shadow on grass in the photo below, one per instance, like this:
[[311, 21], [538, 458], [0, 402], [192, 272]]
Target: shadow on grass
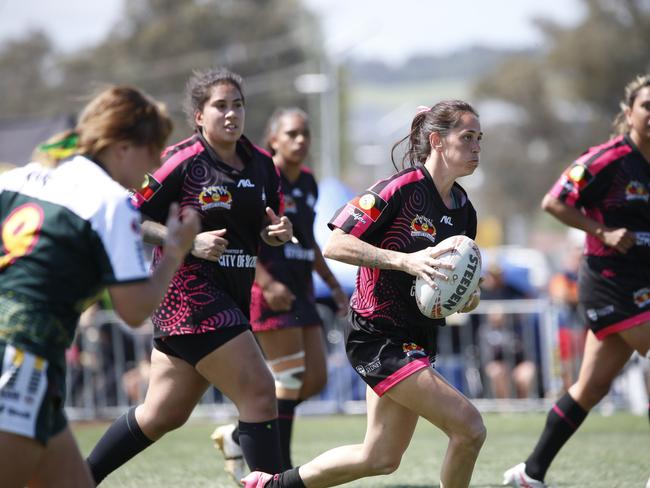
[[438, 486]]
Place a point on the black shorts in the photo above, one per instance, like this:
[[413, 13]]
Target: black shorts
[[384, 356], [191, 348], [613, 299]]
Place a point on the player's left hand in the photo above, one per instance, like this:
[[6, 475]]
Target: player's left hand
[[341, 301], [279, 231]]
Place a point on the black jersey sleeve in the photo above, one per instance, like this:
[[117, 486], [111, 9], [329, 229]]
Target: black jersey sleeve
[[160, 189], [369, 212]]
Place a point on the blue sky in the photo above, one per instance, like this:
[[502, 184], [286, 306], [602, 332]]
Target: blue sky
[[384, 29]]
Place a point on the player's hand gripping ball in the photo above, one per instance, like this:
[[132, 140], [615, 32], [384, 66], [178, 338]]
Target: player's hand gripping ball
[[453, 294]]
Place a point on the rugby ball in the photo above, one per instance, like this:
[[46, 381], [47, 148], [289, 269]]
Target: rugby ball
[[452, 294]]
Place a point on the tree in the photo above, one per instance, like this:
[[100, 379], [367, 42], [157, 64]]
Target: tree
[[564, 100], [158, 43]]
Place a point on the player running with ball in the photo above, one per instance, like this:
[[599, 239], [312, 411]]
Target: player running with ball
[[389, 232]]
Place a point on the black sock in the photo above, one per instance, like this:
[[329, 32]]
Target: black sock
[[287, 479], [562, 421], [286, 411], [122, 441], [260, 443]]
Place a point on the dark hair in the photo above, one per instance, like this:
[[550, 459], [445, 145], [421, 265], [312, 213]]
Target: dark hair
[[273, 125], [118, 113], [631, 91], [441, 118], [199, 87]]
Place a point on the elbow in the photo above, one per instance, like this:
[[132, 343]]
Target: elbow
[[547, 203], [132, 318]]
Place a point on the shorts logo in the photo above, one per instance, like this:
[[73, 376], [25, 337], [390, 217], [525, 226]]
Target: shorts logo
[[215, 196], [370, 204], [412, 350], [642, 297], [595, 313], [149, 188], [421, 226], [366, 370], [635, 190]]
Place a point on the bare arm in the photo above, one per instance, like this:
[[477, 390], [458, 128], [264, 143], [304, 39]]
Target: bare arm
[[136, 301], [351, 250], [277, 295], [620, 239], [338, 294]]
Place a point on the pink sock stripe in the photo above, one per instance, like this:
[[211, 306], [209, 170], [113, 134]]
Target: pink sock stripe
[[400, 374], [624, 325], [557, 410]]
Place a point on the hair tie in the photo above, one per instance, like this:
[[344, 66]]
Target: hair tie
[[62, 148], [422, 109]]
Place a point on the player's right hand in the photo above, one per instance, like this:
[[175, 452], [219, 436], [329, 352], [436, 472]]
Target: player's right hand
[[278, 296], [210, 245], [182, 227]]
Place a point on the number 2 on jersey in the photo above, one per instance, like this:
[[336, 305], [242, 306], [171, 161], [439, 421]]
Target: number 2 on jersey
[[20, 232]]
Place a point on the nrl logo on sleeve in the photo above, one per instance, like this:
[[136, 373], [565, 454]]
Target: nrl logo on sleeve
[[370, 204]]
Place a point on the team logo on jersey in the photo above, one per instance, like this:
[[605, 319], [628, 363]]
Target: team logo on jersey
[[149, 188], [296, 192], [215, 196], [412, 350], [635, 190], [289, 205], [642, 297], [421, 226], [370, 204]]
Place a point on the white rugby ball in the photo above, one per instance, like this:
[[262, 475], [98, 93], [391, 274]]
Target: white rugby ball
[[452, 294]]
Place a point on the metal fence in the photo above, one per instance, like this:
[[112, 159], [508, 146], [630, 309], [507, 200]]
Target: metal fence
[[480, 353]]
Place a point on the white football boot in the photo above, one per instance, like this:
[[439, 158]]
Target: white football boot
[[234, 464], [517, 477]]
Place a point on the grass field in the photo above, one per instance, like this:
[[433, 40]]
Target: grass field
[[607, 452]]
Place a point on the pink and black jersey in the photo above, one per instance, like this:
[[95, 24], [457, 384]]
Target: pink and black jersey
[[292, 264], [206, 295], [403, 213], [611, 184]]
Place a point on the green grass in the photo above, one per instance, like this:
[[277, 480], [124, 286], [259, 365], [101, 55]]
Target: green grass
[[607, 452]]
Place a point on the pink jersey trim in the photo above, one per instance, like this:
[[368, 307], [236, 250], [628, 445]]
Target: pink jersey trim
[[402, 373], [624, 325], [611, 154], [389, 190], [177, 158]]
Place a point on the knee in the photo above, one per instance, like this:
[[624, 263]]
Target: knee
[[382, 463], [259, 398], [314, 382], [160, 422], [473, 434]]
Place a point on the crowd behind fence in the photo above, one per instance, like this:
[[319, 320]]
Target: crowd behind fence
[[505, 355]]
